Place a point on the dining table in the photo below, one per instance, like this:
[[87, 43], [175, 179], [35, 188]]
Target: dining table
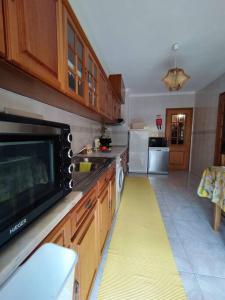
[[212, 186]]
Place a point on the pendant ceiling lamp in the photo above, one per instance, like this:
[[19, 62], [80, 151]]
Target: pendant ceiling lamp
[[175, 77]]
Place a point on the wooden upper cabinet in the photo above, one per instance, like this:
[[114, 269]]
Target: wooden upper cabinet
[[109, 102], [73, 60], [102, 94], [117, 83], [92, 81], [2, 31], [33, 29], [116, 108]]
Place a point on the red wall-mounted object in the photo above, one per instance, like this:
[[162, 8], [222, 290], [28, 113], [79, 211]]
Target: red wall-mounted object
[[158, 122]]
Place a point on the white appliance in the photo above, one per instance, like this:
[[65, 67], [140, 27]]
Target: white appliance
[[119, 181], [138, 150], [47, 275]]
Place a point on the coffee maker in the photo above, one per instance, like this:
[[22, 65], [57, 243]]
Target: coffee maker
[[105, 141], [105, 144]]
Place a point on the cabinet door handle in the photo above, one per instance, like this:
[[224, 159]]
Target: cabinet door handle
[[76, 289], [88, 204]]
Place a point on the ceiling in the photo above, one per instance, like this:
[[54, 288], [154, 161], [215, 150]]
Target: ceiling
[[134, 37]]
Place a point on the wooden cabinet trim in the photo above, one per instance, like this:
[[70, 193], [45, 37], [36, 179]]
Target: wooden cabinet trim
[[103, 194], [86, 225], [2, 31], [104, 216], [80, 212], [62, 230]]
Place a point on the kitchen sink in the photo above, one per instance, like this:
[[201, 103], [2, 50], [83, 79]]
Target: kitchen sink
[[87, 170], [88, 164]]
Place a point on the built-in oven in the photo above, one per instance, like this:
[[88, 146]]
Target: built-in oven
[[35, 170]]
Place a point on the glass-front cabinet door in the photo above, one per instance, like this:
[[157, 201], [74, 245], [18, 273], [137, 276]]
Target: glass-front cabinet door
[[92, 81], [75, 61], [177, 129], [102, 94]]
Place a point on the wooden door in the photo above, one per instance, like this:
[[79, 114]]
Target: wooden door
[[104, 216], [219, 158], [86, 246], [178, 134], [2, 31], [33, 37]]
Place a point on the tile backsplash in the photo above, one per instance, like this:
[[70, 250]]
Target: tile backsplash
[[84, 130]]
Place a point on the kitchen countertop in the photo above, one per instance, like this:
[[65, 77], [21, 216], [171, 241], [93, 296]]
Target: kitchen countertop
[[116, 151], [20, 247], [91, 178]]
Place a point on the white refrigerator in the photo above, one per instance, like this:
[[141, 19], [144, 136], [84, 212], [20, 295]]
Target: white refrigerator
[[138, 150]]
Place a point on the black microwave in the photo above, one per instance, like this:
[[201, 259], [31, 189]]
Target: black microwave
[[35, 170]]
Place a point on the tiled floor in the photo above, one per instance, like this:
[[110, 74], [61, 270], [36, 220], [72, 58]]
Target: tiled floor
[[199, 252]]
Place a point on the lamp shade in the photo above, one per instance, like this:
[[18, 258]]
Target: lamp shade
[[175, 79]]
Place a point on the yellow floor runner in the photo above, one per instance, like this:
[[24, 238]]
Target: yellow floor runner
[[140, 262]]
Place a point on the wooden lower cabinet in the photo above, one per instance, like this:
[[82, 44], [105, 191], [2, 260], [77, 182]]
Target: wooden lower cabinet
[[104, 216], [85, 229], [61, 234], [85, 243]]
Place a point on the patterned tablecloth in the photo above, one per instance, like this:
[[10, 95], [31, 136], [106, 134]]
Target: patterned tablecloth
[[212, 185]]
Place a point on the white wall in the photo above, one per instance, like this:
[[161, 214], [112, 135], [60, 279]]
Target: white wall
[[119, 133], [146, 107], [83, 130], [204, 133]]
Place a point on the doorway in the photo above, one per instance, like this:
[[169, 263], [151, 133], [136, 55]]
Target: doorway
[[219, 159], [178, 134]]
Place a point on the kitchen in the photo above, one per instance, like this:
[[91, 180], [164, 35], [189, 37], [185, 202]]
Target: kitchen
[[73, 76]]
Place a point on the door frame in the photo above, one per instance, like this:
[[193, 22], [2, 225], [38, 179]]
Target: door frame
[[192, 113], [219, 124]]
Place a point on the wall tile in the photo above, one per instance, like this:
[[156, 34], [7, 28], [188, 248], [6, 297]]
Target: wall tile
[[84, 131]]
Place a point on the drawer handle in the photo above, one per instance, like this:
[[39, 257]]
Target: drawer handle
[[88, 205]]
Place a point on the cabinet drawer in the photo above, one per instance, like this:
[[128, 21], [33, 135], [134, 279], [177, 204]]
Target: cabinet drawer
[[61, 234], [82, 210], [111, 171]]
